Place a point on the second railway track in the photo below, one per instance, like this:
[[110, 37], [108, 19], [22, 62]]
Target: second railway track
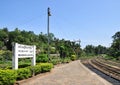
[[107, 68]]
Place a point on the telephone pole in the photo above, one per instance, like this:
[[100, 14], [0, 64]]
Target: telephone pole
[[48, 14]]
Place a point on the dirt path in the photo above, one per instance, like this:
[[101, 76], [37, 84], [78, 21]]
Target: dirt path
[[73, 73]]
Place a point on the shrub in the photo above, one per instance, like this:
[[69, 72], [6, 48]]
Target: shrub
[[7, 77], [23, 73], [24, 65], [66, 60], [55, 61], [52, 50], [5, 55], [35, 69], [73, 57], [1, 52], [46, 67], [42, 58]]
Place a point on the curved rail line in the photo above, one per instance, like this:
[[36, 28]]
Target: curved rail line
[[107, 67], [110, 70]]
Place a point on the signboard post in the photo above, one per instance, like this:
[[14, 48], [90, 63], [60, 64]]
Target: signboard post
[[23, 51]]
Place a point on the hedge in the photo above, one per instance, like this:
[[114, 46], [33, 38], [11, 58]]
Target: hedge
[[7, 77], [23, 73], [46, 67], [42, 58], [73, 57], [35, 69]]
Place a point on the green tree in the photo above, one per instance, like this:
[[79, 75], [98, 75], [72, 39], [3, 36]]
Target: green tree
[[3, 38], [1, 44], [115, 47], [100, 50], [90, 50]]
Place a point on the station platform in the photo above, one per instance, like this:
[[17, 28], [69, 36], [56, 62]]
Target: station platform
[[73, 73]]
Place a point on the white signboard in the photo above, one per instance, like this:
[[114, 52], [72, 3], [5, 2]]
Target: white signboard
[[23, 51]]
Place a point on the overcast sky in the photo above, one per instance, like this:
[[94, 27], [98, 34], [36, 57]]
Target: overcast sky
[[92, 21]]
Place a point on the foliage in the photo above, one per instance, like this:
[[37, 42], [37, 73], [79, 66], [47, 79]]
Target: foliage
[[46, 67], [66, 60], [55, 60], [24, 65], [1, 45], [114, 50], [40, 40], [67, 48], [5, 66], [2, 52], [73, 57], [42, 58], [58, 60], [23, 73], [91, 50], [7, 77], [52, 50], [37, 69], [5, 55]]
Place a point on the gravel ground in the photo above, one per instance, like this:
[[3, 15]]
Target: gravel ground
[[73, 73]]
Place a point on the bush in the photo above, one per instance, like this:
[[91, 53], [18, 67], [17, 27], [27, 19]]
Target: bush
[[35, 69], [41, 68], [55, 60], [73, 57], [46, 67], [42, 58], [5, 55], [7, 77], [23, 73], [66, 60], [24, 65]]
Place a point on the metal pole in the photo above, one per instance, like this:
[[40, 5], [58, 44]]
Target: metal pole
[[48, 11]]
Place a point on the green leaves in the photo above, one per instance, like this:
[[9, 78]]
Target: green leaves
[[23, 73], [115, 47], [7, 77], [46, 67], [42, 58], [91, 50], [73, 57]]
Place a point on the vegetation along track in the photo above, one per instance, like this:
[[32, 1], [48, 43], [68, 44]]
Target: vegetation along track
[[105, 69]]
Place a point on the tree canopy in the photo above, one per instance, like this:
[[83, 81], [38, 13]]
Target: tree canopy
[[115, 46], [40, 40]]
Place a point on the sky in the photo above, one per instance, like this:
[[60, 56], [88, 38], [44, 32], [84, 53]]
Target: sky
[[94, 22]]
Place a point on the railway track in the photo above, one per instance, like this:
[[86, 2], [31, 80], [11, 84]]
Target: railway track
[[107, 61], [109, 68]]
